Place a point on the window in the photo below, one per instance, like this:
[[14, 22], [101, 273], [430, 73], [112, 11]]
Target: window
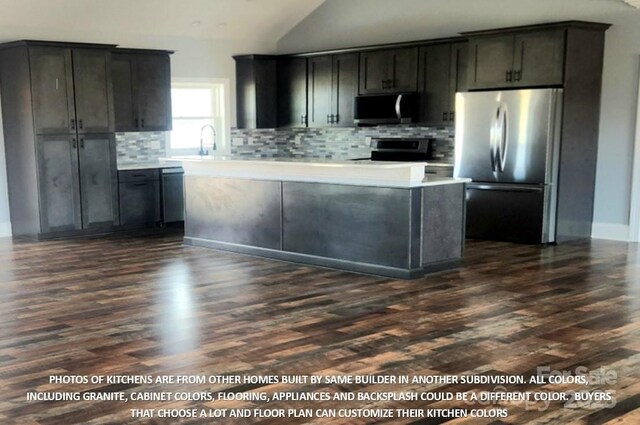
[[195, 105]]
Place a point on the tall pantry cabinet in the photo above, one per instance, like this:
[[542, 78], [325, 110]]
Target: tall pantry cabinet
[[57, 107]]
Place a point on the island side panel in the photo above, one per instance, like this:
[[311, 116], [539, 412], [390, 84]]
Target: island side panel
[[443, 221], [362, 224], [237, 211]]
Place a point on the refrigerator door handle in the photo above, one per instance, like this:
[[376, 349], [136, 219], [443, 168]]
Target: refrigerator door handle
[[399, 107], [504, 140], [494, 143]]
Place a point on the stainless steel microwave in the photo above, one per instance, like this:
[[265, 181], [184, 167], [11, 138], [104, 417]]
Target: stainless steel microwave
[[399, 108]]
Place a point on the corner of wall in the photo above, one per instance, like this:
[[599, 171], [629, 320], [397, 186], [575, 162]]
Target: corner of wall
[[610, 231]]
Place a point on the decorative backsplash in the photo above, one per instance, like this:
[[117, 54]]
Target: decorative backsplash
[[140, 147], [332, 143]]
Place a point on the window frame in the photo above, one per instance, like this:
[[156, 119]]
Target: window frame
[[222, 134]]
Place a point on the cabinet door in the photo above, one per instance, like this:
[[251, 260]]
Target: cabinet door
[[404, 69], [491, 59], [292, 92], [345, 88], [93, 91], [58, 183], [52, 90], [172, 197], [320, 91], [435, 80], [153, 78], [124, 103], [458, 75], [140, 203], [98, 180], [539, 58], [375, 72]]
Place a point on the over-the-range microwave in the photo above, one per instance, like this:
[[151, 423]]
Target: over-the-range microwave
[[399, 108]]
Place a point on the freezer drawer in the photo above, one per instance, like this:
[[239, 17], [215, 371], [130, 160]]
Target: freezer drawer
[[514, 213]]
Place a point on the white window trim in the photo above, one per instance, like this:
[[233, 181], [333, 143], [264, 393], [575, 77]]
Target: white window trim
[[223, 148]]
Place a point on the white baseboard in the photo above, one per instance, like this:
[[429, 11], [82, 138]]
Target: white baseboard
[[615, 232], [5, 228]]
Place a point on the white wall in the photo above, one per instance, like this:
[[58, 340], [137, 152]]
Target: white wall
[[5, 223], [347, 23], [193, 59]]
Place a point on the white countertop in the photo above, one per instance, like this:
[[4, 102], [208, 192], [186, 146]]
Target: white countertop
[[148, 165], [364, 173]]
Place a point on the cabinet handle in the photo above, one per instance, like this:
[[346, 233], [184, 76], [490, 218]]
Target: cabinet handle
[[82, 143], [336, 119], [301, 119], [80, 124], [142, 123], [517, 75], [135, 123], [452, 116], [329, 120], [444, 116], [73, 124], [509, 76], [74, 143]]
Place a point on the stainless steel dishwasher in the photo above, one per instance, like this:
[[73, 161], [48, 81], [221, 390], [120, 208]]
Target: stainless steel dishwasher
[[172, 194]]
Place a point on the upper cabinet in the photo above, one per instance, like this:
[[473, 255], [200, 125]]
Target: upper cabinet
[[141, 90], [518, 59], [292, 92], [333, 84], [256, 91], [441, 73], [71, 90], [389, 70]]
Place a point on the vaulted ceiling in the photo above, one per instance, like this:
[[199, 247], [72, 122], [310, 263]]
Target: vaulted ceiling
[[99, 20]]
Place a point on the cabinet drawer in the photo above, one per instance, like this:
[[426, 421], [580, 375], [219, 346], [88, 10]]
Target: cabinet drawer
[[138, 175]]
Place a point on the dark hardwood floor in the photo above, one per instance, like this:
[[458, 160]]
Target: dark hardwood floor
[[146, 305]]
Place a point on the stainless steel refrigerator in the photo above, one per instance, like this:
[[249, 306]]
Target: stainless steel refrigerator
[[508, 143]]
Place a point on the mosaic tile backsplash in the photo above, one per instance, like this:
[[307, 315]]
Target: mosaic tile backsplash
[[140, 147], [330, 143]]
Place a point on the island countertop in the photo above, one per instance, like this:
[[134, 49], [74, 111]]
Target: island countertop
[[363, 173]]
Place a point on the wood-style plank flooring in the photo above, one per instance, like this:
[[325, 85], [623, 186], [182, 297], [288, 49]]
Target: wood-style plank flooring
[[147, 305]]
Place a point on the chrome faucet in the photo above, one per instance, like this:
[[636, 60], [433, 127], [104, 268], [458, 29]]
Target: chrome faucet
[[213, 138]]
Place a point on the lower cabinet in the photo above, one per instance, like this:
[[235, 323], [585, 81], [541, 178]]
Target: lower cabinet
[[139, 197], [77, 182]]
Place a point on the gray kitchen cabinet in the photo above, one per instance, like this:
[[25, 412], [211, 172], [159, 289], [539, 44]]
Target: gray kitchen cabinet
[[92, 90], [319, 79], [58, 183], [139, 198], [71, 90], [333, 83], [256, 94], [58, 120], [77, 182], [441, 73], [142, 90], [292, 92], [98, 180], [389, 70], [52, 90], [517, 59]]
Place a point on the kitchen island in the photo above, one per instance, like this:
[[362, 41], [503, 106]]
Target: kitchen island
[[381, 218]]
